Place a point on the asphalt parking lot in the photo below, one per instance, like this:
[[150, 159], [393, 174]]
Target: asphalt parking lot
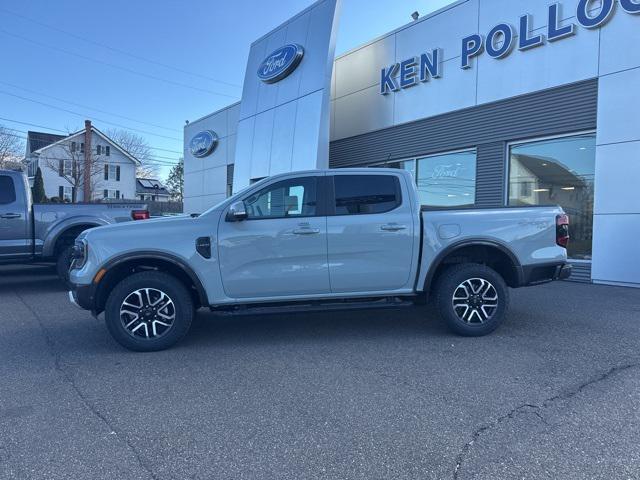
[[555, 393]]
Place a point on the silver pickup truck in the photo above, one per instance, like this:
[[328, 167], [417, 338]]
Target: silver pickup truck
[[30, 232], [318, 240]]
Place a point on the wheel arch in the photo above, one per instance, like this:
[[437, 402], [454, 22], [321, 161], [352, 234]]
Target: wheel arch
[[485, 252], [65, 230], [119, 267]]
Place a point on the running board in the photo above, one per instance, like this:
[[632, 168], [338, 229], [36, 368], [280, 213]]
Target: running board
[[314, 306]]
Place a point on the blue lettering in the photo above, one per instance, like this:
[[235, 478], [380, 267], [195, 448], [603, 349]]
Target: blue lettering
[[387, 82], [630, 6], [602, 17], [505, 31], [472, 46], [430, 65], [408, 73], [556, 32], [526, 42]]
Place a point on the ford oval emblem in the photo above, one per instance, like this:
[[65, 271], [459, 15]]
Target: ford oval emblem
[[281, 63], [203, 144]]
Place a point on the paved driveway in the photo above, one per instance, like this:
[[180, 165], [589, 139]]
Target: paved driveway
[[553, 394]]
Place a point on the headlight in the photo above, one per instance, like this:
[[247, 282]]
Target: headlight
[[80, 253]]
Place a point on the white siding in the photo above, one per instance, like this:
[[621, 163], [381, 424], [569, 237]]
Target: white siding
[[48, 161]]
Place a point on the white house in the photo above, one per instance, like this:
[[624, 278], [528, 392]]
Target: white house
[[65, 162]]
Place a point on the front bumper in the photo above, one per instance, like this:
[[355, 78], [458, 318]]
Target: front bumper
[[83, 297]]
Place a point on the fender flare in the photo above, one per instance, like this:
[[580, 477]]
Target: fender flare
[[472, 243], [167, 257], [52, 236]]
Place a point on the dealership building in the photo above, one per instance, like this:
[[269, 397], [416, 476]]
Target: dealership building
[[488, 103]]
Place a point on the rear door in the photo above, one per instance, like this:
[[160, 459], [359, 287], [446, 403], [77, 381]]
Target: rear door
[[371, 233], [280, 250], [14, 222]]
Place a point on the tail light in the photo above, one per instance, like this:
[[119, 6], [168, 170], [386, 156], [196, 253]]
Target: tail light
[[140, 214], [562, 230]]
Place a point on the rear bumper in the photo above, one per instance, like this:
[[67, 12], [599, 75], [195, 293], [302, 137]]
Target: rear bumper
[[538, 274]]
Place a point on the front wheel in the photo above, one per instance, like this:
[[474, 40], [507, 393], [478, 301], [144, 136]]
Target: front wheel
[[472, 299], [149, 311]]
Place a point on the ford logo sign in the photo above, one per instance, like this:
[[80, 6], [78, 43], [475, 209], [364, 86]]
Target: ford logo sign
[[281, 63], [203, 144]]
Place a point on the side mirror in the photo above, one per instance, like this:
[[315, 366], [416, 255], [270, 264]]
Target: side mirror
[[237, 212]]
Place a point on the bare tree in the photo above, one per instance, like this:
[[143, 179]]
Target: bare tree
[[138, 147], [11, 149], [68, 161]]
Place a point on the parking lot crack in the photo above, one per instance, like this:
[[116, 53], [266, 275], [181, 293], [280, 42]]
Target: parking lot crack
[[69, 380], [536, 410]]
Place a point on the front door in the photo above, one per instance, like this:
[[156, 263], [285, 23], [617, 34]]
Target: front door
[[14, 222], [371, 234], [280, 250]]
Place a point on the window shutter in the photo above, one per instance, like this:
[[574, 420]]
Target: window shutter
[[117, 194], [106, 172], [118, 173], [73, 146], [108, 150], [60, 193], [73, 194], [61, 168], [106, 193]]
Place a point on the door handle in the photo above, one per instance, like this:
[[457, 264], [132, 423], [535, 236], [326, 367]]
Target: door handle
[[393, 227], [10, 216], [306, 231]]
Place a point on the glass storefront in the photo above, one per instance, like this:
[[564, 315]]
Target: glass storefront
[[561, 172], [446, 180]]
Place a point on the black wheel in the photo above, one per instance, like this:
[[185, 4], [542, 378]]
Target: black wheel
[[63, 263], [472, 299], [149, 311]]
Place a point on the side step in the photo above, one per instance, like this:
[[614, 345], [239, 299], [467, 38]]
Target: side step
[[315, 306]]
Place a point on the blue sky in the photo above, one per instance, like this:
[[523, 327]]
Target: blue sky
[[148, 65]]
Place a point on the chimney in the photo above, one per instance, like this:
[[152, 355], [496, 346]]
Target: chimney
[[87, 162]]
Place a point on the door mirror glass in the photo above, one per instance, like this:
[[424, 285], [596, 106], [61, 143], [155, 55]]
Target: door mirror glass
[[237, 212]]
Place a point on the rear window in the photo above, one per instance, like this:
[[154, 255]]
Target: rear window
[[7, 190], [366, 194]]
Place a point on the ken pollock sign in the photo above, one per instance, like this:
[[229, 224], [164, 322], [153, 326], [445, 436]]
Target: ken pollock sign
[[501, 41]]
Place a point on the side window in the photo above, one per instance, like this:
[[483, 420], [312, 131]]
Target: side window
[[366, 194], [289, 198], [7, 190]]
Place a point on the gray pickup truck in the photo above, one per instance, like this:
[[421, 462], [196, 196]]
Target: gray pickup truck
[[47, 232], [318, 240]]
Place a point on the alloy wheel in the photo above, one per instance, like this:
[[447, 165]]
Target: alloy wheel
[[475, 301], [147, 313]]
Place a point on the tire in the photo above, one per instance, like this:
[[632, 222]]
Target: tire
[[63, 264], [487, 301], [157, 299]]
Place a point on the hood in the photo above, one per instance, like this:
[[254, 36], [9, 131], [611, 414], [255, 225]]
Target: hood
[[139, 225]]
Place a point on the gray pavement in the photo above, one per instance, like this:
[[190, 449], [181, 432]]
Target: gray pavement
[[555, 393]]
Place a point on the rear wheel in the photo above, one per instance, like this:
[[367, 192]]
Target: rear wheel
[[149, 311], [472, 299]]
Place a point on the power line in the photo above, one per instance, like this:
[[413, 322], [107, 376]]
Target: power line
[[159, 160], [125, 69], [67, 133], [85, 116], [122, 52], [85, 106]]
